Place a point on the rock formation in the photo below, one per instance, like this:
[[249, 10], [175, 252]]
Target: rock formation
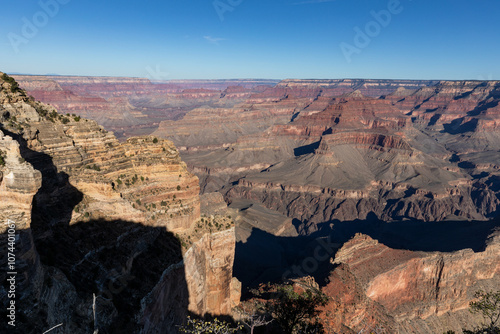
[[375, 287], [98, 217]]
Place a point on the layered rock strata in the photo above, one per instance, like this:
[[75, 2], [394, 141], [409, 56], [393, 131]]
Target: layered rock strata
[[134, 106], [97, 217], [378, 288]]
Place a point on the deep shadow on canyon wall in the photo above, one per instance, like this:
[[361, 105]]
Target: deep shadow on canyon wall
[[267, 258], [61, 266]]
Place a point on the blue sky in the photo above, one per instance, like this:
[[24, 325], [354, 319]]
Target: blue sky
[[207, 39]]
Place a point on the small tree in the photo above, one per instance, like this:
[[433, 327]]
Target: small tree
[[253, 314], [216, 326], [295, 312], [488, 305]]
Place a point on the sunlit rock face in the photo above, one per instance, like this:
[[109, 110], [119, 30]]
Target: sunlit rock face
[[98, 217], [401, 291]]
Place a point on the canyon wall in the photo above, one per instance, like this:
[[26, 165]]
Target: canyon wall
[[96, 217], [374, 287]]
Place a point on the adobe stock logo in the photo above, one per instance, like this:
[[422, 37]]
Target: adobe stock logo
[[372, 29], [323, 252], [30, 28], [222, 6]]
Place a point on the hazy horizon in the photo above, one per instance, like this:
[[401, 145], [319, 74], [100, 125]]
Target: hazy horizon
[[237, 79]]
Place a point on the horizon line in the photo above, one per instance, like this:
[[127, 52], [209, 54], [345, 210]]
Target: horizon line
[[241, 79]]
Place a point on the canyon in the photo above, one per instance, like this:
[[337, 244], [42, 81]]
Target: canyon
[[397, 180], [104, 225], [135, 106]]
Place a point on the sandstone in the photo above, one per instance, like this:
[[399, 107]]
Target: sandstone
[[19, 182], [208, 267], [405, 292]]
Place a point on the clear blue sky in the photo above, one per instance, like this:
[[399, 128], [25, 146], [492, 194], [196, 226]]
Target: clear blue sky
[[188, 39]]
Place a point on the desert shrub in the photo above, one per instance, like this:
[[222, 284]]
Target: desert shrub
[[2, 158], [294, 312], [14, 86], [216, 326], [486, 304]]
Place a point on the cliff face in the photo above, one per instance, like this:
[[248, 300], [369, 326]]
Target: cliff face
[[96, 216], [206, 274], [376, 287]]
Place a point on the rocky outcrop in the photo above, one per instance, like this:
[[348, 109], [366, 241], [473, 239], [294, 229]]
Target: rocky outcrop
[[208, 264], [376, 287], [19, 182]]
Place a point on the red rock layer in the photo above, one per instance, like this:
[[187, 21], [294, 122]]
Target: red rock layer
[[401, 291]]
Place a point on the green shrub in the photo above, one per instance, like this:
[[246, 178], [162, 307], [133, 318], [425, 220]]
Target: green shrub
[[14, 86], [41, 111], [294, 312], [195, 326]]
